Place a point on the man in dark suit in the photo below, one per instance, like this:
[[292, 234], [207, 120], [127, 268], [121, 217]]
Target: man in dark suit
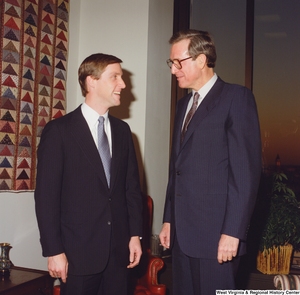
[[90, 222], [214, 170]]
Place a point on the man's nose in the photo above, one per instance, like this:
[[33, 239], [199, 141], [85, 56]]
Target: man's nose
[[173, 69], [122, 84]]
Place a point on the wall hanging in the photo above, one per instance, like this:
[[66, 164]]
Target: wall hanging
[[34, 47]]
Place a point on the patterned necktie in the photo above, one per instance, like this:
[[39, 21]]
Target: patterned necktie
[[103, 148], [189, 115]]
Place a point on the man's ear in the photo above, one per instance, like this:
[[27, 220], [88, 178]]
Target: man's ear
[[89, 80], [201, 60]]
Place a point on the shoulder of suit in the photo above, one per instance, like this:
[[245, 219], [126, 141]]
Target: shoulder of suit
[[238, 94], [75, 114], [234, 86], [114, 121]]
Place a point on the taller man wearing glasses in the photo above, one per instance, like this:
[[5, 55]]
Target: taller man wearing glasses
[[214, 170]]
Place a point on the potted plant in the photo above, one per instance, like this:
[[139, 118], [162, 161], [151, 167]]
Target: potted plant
[[281, 232]]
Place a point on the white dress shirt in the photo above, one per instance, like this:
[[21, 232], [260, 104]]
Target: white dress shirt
[[202, 92], [91, 117]]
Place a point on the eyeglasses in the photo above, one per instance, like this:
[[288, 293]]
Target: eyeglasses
[[177, 62]]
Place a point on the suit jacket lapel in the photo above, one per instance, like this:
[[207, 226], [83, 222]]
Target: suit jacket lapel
[[183, 103], [80, 130], [207, 104], [116, 144]]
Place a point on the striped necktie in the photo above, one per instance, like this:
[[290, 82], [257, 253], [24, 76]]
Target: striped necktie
[[189, 115]]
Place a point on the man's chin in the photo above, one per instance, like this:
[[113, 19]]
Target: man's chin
[[181, 83], [117, 103]]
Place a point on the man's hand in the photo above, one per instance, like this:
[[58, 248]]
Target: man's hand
[[164, 235], [58, 266], [228, 247], [135, 252]]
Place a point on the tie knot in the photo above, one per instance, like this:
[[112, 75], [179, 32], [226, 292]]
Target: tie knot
[[196, 97], [101, 120]]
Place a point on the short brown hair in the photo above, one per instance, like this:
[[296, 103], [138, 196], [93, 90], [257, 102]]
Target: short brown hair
[[200, 42], [94, 65]]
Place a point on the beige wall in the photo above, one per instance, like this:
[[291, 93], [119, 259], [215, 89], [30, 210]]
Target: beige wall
[[136, 31]]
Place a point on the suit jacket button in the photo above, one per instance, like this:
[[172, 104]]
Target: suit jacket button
[[178, 172], [108, 223]]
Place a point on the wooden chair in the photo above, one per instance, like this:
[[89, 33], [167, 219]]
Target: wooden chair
[[146, 274], [144, 278], [56, 290]]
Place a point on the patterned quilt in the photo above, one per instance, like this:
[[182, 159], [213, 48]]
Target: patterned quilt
[[34, 46]]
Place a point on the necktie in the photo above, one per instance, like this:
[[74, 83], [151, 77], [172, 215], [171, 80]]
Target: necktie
[[103, 148], [190, 115]]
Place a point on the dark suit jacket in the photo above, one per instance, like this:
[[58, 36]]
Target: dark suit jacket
[[214, 174], [76, 211]]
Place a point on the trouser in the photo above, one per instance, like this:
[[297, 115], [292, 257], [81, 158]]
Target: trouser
[[197, 276]]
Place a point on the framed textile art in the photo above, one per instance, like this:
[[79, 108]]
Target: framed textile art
[[34, 47]]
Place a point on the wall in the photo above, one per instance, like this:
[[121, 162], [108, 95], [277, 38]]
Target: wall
[[157, 129], [137, 31]]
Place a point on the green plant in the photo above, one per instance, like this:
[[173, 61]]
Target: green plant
[[283, 221]]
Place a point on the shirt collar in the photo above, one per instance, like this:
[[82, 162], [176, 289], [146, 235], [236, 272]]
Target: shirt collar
[[91, 115], [206, 87]]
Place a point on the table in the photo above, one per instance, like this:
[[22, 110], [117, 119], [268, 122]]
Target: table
[[26, 281]]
